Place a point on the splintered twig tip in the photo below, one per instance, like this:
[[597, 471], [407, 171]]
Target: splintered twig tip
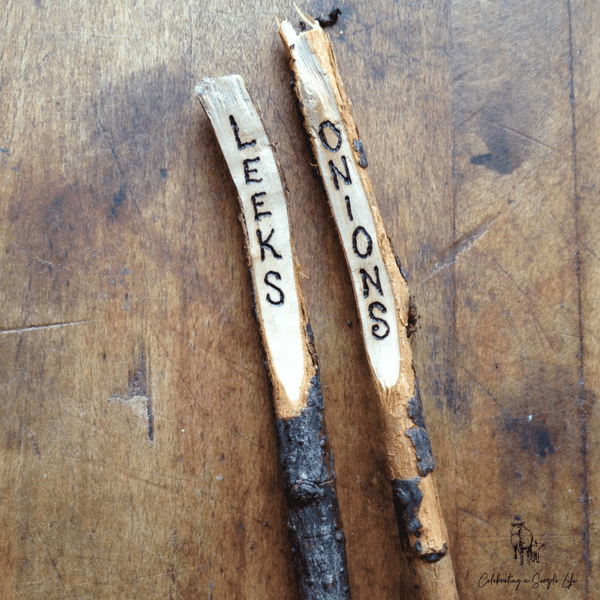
[[202, 86], [306, 18]]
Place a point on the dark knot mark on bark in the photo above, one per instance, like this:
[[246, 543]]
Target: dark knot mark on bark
[[397, 259], [418, 434], [413, 317], [407, 502], [362, 160], [329, 21], [435, 556], [303, 492]]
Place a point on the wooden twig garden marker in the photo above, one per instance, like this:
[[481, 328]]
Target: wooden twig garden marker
[[382, 296], [315, 531]]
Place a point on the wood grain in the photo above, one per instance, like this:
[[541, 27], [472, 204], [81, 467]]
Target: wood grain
[[585, 103], [137, 441]]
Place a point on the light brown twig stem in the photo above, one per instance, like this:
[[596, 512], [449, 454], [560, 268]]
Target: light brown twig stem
[[382, 296]]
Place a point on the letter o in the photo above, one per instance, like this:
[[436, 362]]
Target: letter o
[[361, 230], [335, 130]]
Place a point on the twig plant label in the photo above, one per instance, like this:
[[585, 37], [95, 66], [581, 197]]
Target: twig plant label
[[351, 210], [248, 153], [315, 532], [383, 301]]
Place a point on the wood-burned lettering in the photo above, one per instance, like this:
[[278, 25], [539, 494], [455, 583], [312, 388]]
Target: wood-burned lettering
[[256, 204], [375, 329], [251, 176], [335, 172], [248, 170], [329, 125], [236, 132], [365, 281], [270, 300], [327, 120], [362, 242], [264, 245], [349, 208], [360, 230]]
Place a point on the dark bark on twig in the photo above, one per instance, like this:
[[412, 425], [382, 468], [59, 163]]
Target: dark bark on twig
[[315, 529]]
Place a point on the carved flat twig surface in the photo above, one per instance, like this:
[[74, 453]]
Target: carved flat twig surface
[[138, 447]]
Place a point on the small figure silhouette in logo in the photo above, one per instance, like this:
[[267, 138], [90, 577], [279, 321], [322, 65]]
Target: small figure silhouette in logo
[[535, 551], [522, 541]]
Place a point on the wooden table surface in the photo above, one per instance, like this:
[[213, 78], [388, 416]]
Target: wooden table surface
[[137, 443]]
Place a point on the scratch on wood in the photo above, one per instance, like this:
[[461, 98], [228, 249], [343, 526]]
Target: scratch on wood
[[239, 434], [478, 383], [473, 516], [48, 326], [52, 561], [462, 245], [31, 438], [15, 376], [520, 134], [220, 354], [214, 498]]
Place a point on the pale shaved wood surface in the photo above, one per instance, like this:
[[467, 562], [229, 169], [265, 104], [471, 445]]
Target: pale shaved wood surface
[[277, 298], [138, 453]]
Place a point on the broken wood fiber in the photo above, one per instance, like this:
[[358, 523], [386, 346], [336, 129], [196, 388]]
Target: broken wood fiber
[[314, 523], [383, 300]]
